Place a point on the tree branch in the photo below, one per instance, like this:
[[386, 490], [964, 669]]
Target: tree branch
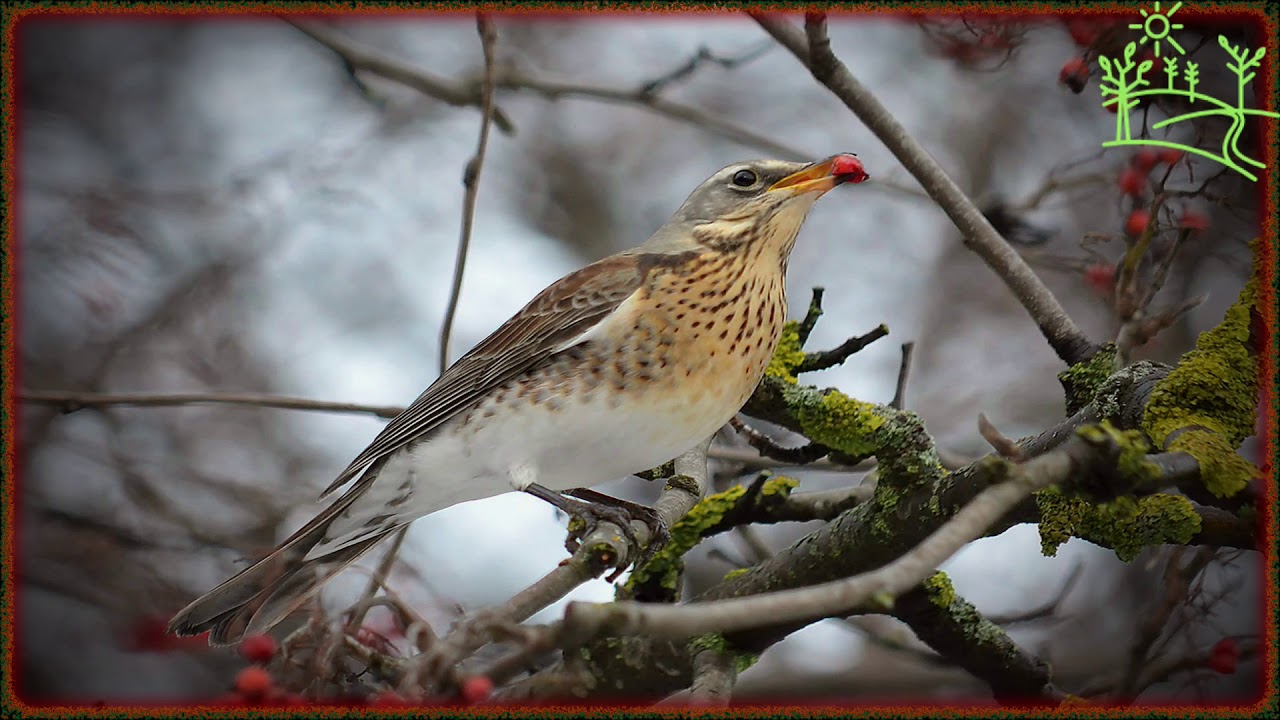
[[876, 589], [713, 677], [358, 58], [824, 359], [1063, 335], [471, 180], [70, 401]]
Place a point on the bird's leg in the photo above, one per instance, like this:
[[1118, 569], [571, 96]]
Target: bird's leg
[[592, 511]]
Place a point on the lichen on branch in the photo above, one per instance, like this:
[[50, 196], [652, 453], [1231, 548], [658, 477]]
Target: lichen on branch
[[658, 579], [1207, 405], [1082, 381]]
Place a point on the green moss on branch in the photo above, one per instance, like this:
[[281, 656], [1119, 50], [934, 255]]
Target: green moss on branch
[[1082, 381], [1208, 404], [659, 578]]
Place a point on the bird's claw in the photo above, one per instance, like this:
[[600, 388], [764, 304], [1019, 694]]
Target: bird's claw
[[593, 508]]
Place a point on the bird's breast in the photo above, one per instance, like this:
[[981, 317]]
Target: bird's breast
[[702, 340]]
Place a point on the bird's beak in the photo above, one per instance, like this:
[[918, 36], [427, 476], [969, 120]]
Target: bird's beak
[[822, 176]]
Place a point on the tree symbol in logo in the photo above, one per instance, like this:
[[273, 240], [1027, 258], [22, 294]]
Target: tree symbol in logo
[[1123, 83]]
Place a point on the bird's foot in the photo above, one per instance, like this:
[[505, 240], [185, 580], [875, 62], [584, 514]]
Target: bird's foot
[[659, 534], [592, 508]]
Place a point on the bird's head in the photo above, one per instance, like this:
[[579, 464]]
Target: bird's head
[[759, 203]]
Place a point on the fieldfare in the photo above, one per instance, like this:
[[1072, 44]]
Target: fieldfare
[[613, 369]]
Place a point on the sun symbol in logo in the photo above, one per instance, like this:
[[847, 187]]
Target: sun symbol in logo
[[1156, 27]]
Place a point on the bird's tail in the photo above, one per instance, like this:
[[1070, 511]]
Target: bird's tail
[[260, 596]]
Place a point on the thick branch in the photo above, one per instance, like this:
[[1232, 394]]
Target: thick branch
[[874, 589], [958, 632]]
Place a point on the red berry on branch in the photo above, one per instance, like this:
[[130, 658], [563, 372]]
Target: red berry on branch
[[1132, 182], [1100, 278], [1192, 220], [1137, 222], [258, 649], [1074, 74], [253, 683], [1145, 159], [476, 688], [1224, 656]]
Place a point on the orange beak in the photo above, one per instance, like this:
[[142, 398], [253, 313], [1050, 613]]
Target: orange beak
[[822, 176]]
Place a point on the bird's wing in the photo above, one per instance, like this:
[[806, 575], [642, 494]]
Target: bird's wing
[[555, 320]]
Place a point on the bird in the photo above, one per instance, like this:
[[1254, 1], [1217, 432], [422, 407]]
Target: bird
[[612, 370]]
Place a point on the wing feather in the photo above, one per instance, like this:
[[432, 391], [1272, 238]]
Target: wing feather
[[552, 322]]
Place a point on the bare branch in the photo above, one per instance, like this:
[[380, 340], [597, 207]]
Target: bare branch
[[359, 58], [753, 460], [1001, 443], [556, 89], [378, 580], [904, 371], [70, 401], [471, 179], [802, 455], [1046, 610], [1063, 335], [830, 358], [701, 57], [811, 316]]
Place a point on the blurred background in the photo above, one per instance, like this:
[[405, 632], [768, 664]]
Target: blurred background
[[224, 205]]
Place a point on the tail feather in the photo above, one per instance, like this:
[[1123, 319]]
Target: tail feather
[[260, 596]]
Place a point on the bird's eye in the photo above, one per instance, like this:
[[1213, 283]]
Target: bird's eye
[[744, 178]]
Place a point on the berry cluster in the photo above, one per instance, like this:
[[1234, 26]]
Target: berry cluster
[[255, 685]]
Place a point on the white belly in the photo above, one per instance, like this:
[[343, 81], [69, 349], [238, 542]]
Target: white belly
[[577, 444]]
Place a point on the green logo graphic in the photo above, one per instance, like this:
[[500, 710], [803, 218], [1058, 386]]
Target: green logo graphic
[[1124, 90]]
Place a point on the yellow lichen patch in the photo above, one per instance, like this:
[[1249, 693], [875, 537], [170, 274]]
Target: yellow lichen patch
[[1126, 526], [941, 592], [839, 421], [1207, 405], [666, 565], [1081, 381], [1132, 464], [788, 356]]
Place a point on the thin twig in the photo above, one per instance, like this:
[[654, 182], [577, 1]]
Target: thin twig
[[824, 359], [70, 401], [471, 179], [377, 580], [1177, 579], [1059, 329], [1045, 610], [557, 89], [802, 455], [751, 459], [811, 316], [904, 371], [702, 56], [1004, 446], [358, 58]]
